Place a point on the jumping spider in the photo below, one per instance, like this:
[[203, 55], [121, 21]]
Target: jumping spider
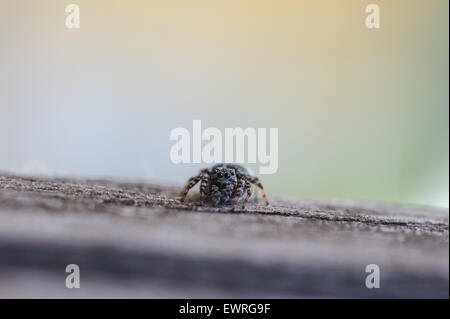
[[223, 183]]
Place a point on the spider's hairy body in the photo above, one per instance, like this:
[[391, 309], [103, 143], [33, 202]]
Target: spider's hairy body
[[224, 184]]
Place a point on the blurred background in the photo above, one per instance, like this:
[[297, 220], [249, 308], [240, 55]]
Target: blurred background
[[362, 113]]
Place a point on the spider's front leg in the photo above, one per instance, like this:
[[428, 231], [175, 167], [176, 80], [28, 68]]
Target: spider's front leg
[[204, 176], [248, 190], [192, 182], [255, 181]]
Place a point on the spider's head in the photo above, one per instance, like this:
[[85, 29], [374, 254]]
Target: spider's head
[[223, 175]]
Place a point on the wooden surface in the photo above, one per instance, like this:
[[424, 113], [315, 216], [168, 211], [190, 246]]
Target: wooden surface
[[139, 240]]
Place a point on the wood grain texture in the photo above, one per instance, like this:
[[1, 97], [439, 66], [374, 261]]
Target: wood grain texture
[[140, 240]]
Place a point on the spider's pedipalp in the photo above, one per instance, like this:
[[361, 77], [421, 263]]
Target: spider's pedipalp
[[239, 190], [215, 195]]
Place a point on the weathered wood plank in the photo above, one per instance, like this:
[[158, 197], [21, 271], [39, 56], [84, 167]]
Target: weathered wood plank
[[139, 240]]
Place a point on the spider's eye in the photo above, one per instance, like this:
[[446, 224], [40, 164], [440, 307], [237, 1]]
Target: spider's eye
[[227, 175], [220, 174]]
